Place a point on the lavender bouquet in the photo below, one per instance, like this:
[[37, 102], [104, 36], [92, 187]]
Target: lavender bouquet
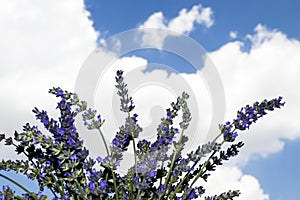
[[62, 164]]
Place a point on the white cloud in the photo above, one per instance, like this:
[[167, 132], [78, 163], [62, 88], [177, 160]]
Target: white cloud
[[43, 44], [233, 34], [152, 93], [105, 97], [156, 20], [247, 77], [262, 34], [184, 23], [227, 178], [269, 69]]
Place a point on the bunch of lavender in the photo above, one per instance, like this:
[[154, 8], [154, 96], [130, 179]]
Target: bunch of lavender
[[62, 164]]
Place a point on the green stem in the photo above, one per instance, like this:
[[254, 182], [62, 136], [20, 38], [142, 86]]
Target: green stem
[[103, 139], [80, 190], [112, 171], [16, 183], [62, 191], [139, 193], [115, 184], [172, 165], [135, 160], [200, 173], [187, 174]]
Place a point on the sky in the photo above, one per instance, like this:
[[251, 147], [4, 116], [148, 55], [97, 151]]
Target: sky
[[249, 49]]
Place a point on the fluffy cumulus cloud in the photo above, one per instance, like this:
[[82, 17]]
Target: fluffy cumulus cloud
[[265, 65], [105, 98], [270, 68], [152, 93], [228, 178], [43, 44], [184, 23]]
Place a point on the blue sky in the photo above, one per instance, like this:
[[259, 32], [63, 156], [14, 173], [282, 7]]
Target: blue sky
[[229, 16], [259, 30], [277, 173]]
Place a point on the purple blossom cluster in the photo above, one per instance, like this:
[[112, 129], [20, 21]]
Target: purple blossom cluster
[[61, 163], [247, 116]]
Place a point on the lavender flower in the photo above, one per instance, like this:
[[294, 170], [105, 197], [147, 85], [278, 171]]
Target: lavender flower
[[226, 195], [61, 162], [250, 114]]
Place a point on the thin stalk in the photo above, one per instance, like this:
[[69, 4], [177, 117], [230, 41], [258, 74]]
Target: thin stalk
[[52, 192], [172, 165], [199, 174], [62, 191], [186, 175], [16, 183], [131, 191], [135, 160], [139, 193], [112, 171], [103, 139], [201, 170], [57, 187], [80, 190], [115, 184]]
